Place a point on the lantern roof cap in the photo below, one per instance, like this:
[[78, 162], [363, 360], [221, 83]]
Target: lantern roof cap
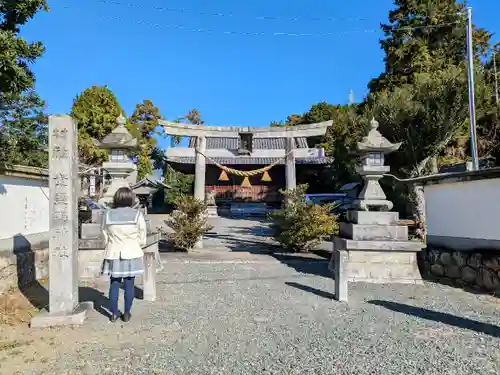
[[376, 142], [119, 137]]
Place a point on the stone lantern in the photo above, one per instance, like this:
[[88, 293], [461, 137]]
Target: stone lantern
[[372, 150], [372, 246], [121, 170]]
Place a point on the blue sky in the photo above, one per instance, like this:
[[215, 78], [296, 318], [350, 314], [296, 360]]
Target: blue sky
[[143, 52]]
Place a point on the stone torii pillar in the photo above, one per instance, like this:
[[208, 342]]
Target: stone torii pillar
[[200, 168], [291, 179]]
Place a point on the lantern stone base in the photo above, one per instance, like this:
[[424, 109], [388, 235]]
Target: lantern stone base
[[380, 267], [373, 249]]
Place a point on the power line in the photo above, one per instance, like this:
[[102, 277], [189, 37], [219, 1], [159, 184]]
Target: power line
[[217, 14], [235, 15], [250, 33]]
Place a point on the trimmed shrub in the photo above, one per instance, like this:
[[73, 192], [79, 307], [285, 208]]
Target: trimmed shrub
[[188, 222], [298, 226]]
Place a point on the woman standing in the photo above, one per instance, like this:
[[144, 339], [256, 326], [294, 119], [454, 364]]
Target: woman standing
[[124, 230]]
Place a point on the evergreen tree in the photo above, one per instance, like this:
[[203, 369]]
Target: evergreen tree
[[23, 134], [16, 54], [95, 111], [180, 184], [23, 124], [144, 165], [144, 122], [194, 117], [145, 119], [423, 36]]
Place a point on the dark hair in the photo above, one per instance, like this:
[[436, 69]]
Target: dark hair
[[124, 197]]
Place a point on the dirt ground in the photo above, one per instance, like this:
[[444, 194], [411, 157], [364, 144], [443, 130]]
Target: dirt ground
[[24, 350]]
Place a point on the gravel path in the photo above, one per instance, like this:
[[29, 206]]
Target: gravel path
[[267, 318], [240, 314]]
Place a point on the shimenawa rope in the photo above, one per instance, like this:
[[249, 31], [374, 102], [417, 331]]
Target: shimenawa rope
[[237, 172]]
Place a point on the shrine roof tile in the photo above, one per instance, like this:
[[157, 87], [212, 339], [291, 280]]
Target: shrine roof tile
[[249, 160], [258, 143]]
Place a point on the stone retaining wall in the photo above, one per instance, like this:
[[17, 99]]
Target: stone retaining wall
[[478, 269], [26, 267], [25, 264], [23, 268]]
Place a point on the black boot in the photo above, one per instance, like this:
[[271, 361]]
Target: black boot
[[113, 318], [126, 317]]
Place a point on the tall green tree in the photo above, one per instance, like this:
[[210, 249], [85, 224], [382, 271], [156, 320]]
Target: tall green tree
[[23, 133], [145, 118], [488, 124], [23, 124], [421, 97], [194, 117], [422, 36], [17, 54], [95, 111], [180, 184], [144, 165], [144, 122]]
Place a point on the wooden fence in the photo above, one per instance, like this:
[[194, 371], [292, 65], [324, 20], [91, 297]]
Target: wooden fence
[[255, 193]]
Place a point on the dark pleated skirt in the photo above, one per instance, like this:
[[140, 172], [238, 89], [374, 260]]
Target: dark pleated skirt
[[123, 267]]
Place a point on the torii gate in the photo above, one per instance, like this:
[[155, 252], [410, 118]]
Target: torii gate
[[201, 132]]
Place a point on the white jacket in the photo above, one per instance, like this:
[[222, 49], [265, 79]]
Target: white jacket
[[124, 230]]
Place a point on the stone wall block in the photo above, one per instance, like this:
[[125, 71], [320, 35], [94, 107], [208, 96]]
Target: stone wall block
[[453, 272], [459, 258], [445, 259], [469, 274], [426, 271], [433, 256], [475, 260], [479, 279], [493, 264], [437, 269], [490, 279], [476, 269]]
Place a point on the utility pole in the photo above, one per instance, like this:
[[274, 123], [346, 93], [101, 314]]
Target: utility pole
[[472, 100]]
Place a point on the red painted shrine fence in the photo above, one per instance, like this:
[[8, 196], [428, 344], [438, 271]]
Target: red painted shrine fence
[[254, 193]]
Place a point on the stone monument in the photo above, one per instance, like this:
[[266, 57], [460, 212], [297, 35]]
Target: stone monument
[[372, 247], [64, 307]]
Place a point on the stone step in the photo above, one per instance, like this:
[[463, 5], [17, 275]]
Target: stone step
[[389, 246], [374, 232], [373, 217]]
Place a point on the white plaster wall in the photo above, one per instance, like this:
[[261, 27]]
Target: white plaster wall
[[24, 206], [469, 209]]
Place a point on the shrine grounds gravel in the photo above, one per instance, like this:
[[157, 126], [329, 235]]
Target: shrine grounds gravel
[[259, 315]]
